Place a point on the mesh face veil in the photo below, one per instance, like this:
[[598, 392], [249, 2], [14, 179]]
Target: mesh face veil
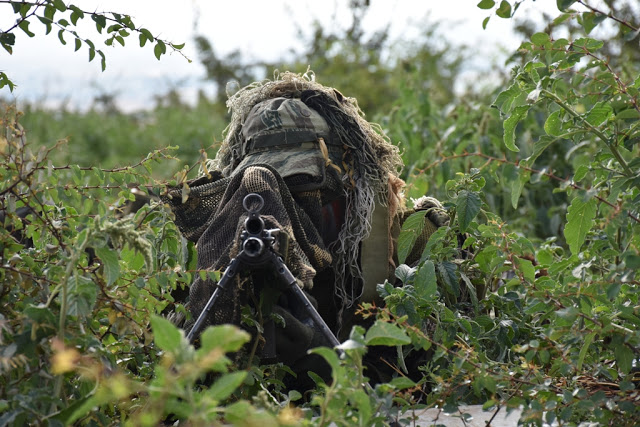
[[367, 169]]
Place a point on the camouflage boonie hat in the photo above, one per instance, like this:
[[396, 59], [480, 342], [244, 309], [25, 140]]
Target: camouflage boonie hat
[[292, 138]]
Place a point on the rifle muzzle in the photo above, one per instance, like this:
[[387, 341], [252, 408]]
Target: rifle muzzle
[[253, 246]]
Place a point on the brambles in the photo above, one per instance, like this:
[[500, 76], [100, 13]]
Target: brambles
[[527, 298]]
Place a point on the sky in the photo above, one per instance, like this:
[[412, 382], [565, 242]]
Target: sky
[[49, 73]]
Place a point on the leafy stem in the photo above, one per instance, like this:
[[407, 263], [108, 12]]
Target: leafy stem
[[614, 150], [618, 20]]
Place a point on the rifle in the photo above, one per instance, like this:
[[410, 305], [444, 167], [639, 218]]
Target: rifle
[[258, 249]]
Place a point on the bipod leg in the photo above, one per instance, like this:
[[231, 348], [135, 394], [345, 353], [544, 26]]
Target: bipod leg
[[229, 273], [292, 283]]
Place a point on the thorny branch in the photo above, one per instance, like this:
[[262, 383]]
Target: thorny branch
[[548, 174]]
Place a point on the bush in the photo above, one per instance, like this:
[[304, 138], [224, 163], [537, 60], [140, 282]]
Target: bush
[[527, 299]]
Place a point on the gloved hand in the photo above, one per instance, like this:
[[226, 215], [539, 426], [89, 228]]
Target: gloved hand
[[298, 334], [435, 217], [436, 212]]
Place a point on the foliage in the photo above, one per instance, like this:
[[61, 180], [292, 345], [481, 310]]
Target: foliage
[[527, 299], [550, 322], [105, 137], [63, 18], [348, 58], [82, 283]]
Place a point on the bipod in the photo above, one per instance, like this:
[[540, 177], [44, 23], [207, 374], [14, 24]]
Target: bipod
[[257, 245]]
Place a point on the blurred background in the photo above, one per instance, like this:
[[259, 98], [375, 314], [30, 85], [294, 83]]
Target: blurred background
[[366, 49], [427, 71], [253, 35]]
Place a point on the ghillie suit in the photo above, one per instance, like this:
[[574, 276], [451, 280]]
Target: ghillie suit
[[329, 180]]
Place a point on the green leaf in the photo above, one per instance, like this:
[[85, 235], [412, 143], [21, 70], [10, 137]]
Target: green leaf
[[60, 37], [447, 272], [505, 99], [600, 113], [24, 9], [489, 383], [411, 229], [472, 291], [628, 114], [632, 261], [485, 22], [5, 81], [425, 282], [79, 409], [110, 264], [384, 333], [226, 385], [613, 291], [236, 413], [580, 216], [59, 4], [467, 207], [588, 43], [8, 40], [100, 20], [49, 12], [159, 49], [517, 185], [580, 173], [527, 268], [177, 46], [24, 26], [568, 313], [584, 350], [564, 4], [143, 39], [147, 33], [562, 18], [541, 39], [82, 296], [504, 11], [76, 14], [510, 124], [228, 338], [624, 357], [553, 124], [103, 60], [486, 4], [401, 383], [78, 44], [591, 19], [166, 335], [40, 314], [405, 273], [489, 404]]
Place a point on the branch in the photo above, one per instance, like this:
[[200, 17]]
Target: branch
[[614, 150], [567, 181], [609, 15]]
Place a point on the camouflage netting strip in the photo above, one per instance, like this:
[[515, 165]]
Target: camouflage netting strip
[[213, 216], [369, 161]]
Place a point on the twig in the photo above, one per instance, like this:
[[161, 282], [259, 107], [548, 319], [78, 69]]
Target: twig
[[609, 15], [551, 175]]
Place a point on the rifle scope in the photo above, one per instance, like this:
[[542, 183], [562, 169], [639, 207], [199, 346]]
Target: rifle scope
[[253, 244]]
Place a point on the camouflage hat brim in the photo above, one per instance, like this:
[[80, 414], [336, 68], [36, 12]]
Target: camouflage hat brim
[[303, 159]]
